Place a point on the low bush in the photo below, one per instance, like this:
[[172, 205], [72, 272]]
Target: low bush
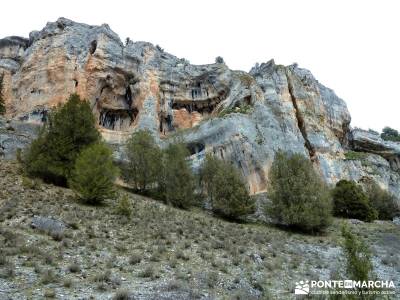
[[358, 256], [390, 134], [124, 206]]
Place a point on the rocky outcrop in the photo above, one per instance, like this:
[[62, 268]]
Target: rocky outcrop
[[240, 117], [371, 142], [15, 135]]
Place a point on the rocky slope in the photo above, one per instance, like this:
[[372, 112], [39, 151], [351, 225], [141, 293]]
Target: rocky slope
[[52, 246], [238, 116]]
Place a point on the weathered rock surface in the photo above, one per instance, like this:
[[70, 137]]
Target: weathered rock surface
[[242, 117], [15, 135], [49, 225], [368, 141]]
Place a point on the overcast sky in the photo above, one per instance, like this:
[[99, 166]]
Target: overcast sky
[[352, 47]]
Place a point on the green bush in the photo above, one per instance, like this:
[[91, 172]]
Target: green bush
[[242, 109], [94, 174], [354, 155], [350, 201], [358, 256], [226, 189], [383, 202], [176, 181], [143, 161], [70, 128], [124, 206], [2, 103], [299, 198], [390, 134]]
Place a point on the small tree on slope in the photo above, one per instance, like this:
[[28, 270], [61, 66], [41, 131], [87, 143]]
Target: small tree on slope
[[299, 197], [94, 174], [70, 128]]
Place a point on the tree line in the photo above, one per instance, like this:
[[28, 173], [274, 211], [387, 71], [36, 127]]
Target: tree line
[[69, 152]]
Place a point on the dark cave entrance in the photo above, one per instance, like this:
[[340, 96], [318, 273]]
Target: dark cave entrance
[[118, 119]]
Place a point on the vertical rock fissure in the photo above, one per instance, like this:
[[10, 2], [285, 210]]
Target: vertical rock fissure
[[300, 121]]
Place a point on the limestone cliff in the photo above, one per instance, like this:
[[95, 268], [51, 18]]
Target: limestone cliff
[[242, 117]]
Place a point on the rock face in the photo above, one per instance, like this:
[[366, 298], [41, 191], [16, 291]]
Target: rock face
[[240, 117]]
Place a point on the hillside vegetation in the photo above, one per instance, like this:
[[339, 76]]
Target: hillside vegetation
[[160, 252]]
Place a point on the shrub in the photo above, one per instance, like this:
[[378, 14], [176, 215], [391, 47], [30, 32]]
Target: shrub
[[74, 268], [123, 294], [384, 203], [176, 180], [135, 258], [70, 128], [219, 60], [350, 201], [124, 206], [226, 189], [242, 109], [143, 161], [299, 198], [358, 256], [2, 103], [94, 174], [390, 134], [148, 272], [353, 155]]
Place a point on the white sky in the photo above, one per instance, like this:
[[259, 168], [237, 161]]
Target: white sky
[[350, 46]]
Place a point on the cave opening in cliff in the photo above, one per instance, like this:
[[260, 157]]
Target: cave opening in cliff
[[128, 96], [202, 107], [93, 47], [166, 124], [195, 148], [117, 119]]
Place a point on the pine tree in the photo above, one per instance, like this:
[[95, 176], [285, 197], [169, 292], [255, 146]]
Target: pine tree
[[70, 129]]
